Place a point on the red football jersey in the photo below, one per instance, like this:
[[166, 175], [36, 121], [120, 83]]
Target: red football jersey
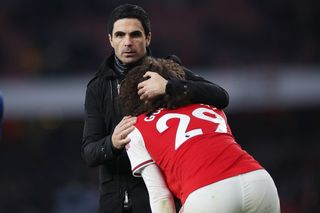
[[193, 145]]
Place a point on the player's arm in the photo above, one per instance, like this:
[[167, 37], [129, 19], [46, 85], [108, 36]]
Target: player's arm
[[161, 199], [142, 165]]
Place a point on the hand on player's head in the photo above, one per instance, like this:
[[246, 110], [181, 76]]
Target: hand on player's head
[[154, 86]]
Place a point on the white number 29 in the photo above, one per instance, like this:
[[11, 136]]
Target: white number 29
[[182, 135]]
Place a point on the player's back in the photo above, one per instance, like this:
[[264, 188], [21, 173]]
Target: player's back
[[193, 145]]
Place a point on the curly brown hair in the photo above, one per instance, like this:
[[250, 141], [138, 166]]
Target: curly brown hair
[[129, 100]]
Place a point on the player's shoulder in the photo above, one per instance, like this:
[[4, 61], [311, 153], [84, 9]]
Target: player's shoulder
[[150, 118]]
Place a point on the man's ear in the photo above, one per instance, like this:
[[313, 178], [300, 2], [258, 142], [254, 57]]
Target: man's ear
[[148, 38], [110, 40]]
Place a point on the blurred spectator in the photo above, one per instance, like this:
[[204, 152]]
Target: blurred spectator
[[57, 37]]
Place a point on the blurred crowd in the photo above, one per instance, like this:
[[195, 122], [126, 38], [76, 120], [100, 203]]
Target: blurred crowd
[[40, 164], [57, 37]]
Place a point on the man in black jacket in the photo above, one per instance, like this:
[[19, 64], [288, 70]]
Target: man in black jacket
[[105, 130]]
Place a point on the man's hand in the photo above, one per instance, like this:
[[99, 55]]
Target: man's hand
[[121, 131], [155, 85]]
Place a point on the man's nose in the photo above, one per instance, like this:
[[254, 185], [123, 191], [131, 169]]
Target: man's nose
[[127, 40]]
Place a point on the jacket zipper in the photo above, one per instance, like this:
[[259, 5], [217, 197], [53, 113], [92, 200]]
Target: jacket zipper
[[118, 86], [126, 199]]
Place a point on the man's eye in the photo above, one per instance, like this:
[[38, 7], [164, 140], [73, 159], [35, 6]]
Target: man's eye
[[136, 34], [119, 34]]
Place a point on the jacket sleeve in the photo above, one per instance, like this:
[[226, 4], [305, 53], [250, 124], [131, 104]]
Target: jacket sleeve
[[198, 90], [96, 145]]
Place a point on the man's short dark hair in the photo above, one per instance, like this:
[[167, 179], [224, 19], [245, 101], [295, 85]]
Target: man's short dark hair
[[129, 11]]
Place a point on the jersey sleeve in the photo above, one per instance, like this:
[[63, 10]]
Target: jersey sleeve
[[138, 154], [160, 197]]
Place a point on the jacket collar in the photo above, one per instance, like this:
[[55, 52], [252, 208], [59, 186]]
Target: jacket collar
[[107, 69]]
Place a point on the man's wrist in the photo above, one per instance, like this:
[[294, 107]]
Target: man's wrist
[[169, 87], [114, 149], [177, 87]]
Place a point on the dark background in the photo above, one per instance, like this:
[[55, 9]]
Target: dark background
[[40, 164]]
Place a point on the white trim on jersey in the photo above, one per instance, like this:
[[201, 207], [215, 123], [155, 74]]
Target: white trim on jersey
[[137, 152]]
